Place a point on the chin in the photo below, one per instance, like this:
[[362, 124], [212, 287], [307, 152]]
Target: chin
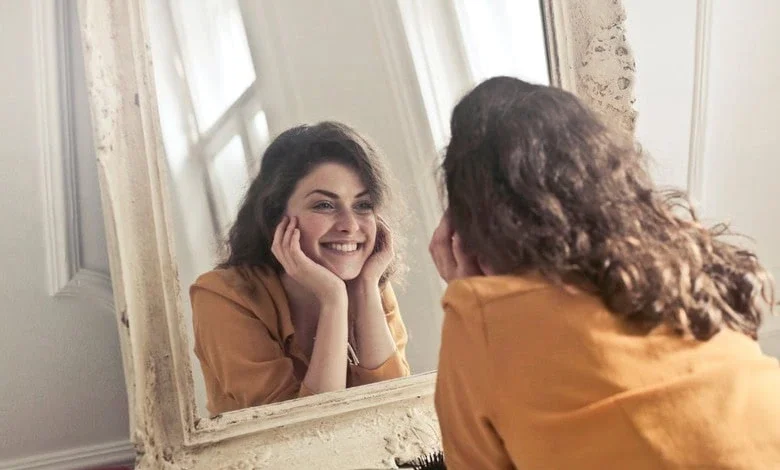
[[346, 268], [345, 274]]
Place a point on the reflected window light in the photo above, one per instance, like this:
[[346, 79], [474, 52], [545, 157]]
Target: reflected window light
[[260, 137], [215, 54], [504, 37], [260, 128], [173, 124], [229, 178]]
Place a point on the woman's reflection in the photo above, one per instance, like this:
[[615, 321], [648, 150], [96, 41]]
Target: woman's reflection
[[303, 304]]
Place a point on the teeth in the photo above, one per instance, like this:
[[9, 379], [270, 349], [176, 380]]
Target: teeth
[[345, 247]]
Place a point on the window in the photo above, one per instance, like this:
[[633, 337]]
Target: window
[[211, 114], [504, 37], [456, 44]]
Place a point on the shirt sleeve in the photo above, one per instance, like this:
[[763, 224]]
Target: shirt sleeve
[[462, 386], [396, 365], [236, 346]]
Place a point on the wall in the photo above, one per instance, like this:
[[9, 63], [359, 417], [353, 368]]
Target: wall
[[62, 394], [707, 98]]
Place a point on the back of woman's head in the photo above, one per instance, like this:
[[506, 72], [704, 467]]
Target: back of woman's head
[[536, 182], [294, 154]]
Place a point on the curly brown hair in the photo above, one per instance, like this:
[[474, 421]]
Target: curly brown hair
[[291, 156], [536, 182]]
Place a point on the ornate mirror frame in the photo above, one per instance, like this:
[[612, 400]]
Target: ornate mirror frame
[[372, 426]]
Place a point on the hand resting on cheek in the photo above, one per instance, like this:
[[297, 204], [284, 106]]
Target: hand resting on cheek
[[449, 256], [317, 279]]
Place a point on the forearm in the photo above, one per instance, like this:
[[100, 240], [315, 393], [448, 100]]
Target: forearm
[[328, 365], [375, 342]]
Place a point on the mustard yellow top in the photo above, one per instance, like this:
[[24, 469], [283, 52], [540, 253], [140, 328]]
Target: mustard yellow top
[[244, 339], [532, 376]]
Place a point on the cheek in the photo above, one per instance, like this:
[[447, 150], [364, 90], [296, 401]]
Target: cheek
[[312, 227]]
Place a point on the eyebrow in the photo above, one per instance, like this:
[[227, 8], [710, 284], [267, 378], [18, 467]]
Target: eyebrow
[[333, 195]]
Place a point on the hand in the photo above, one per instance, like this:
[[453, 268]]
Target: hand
[[314, 277], [380, 259], [446, 249]]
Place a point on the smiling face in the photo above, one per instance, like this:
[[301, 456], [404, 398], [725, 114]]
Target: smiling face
[[336, 219]]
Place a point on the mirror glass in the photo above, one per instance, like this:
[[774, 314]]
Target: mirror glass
[[231, 76]]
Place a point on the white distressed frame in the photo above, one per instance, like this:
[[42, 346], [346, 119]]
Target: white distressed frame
[[372, 426]]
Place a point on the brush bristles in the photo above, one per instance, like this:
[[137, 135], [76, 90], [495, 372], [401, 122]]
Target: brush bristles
[[433, 461]]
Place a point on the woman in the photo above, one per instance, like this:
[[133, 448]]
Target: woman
[[303, 304], [588, 324]]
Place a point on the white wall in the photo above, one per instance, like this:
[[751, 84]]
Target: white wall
[[663, 45], [62, 393], [736, 122]]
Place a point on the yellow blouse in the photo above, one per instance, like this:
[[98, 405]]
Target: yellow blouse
[[533, 376], [244, 339]]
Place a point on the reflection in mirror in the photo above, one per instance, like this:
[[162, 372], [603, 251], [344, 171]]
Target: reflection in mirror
[[323, 308]]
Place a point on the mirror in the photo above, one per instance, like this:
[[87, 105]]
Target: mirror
[[419, 65], [230, 76]]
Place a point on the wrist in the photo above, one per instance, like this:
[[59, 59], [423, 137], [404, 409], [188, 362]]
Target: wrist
[[334, 300], [363, 285]]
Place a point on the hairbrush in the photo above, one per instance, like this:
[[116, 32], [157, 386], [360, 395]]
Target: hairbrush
[[434, 461]]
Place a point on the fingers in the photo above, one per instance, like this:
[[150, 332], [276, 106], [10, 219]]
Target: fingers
[[286, 245], [387, 241], [467, 265], [279, 232], [444, 261], [484, 268], [444, 231], [441, 235], [291, 227], [277, 244], [383, 238], [295, 245], [298, 261], [441, 251], [313, 277], [449, 254], [461, 259]]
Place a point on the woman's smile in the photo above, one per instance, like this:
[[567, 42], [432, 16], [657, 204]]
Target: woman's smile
[[342, 248]]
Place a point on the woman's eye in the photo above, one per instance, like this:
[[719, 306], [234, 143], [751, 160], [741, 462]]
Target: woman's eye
[[364, 206], [324, 205]]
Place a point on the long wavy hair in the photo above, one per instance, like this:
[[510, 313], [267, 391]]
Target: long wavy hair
[[294, 154], [535, 182]]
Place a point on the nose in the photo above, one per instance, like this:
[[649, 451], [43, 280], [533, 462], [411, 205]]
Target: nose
[[347, 222]]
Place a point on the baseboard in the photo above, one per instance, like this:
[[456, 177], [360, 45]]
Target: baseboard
[[111, 453]]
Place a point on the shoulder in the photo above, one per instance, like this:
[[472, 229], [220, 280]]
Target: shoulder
[[254, 289], [480, 292], [237, 278], [528, 307]]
